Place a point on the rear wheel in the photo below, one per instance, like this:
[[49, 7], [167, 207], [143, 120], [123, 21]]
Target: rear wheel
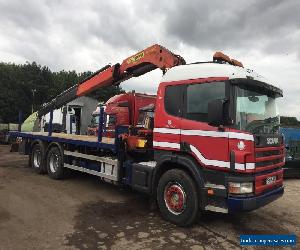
[[177, 197], [38, 158], [55, 163]]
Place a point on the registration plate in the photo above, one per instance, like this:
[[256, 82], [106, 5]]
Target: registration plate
[[270, 180]]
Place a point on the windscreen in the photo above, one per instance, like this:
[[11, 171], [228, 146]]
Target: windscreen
[[256, 110]]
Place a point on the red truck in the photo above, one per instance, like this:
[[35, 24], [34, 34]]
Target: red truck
[[121, 110], [210, 142]]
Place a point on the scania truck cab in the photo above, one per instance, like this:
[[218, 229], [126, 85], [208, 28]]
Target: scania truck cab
[[120, 110], [221, 122]]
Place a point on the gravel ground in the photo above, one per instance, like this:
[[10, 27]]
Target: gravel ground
[[82, 212]]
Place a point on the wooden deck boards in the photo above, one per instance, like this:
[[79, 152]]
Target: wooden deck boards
[[88, 138]]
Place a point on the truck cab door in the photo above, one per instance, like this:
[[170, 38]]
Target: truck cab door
[[167, 117], [208, 144]]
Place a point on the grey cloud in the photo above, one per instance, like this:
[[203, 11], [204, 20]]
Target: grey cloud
[[26, 14], [263, 25], [227, 24]]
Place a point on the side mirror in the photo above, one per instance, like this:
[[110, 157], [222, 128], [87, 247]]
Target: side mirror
[[217, 112]]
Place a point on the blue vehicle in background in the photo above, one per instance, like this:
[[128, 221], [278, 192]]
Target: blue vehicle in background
[[292, 154]]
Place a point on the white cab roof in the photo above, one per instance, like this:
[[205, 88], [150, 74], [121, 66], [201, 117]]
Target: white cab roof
[[205, 70]]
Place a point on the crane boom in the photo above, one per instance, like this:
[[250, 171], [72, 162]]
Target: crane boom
[[141, 63]]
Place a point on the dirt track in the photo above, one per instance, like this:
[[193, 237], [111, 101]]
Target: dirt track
[[82, 212]]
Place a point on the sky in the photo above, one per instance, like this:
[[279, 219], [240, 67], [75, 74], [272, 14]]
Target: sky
[[85, 35]]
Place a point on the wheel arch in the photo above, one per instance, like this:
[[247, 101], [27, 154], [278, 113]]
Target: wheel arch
[[55, 144], [38, 141], [183, 162]]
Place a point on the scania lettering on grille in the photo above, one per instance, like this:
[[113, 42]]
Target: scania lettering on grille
[[272, 141]]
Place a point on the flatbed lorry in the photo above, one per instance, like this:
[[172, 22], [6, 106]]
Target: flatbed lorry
[[211, 143]]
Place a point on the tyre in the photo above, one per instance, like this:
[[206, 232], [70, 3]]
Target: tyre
[[177, 197], [37, 158], [55, 163]]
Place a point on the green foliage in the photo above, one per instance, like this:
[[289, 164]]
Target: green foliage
[[18, 81], [286, 121]]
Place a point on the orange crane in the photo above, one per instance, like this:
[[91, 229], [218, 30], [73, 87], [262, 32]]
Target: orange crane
[[140, 63]]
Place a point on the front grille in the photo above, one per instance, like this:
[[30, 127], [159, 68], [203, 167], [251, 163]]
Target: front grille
[[268, 163], [269, 157], [267, 153]]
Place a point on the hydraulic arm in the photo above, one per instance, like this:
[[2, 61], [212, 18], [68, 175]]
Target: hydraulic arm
[[141, 63]]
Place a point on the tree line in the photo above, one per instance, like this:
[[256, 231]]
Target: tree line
[[289, 121], [24, 85]]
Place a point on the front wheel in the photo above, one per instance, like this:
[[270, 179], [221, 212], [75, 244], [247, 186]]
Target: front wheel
[[177, 197]]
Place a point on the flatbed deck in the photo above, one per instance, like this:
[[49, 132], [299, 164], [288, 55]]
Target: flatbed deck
[[82, 140]]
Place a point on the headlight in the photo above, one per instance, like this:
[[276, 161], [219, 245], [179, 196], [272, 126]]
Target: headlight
[[240, 188]]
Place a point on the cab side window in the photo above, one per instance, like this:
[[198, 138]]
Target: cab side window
[[199, 95], [174, 99], [111, 120]]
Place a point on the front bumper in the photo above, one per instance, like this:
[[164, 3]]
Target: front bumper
[[239, 204]]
